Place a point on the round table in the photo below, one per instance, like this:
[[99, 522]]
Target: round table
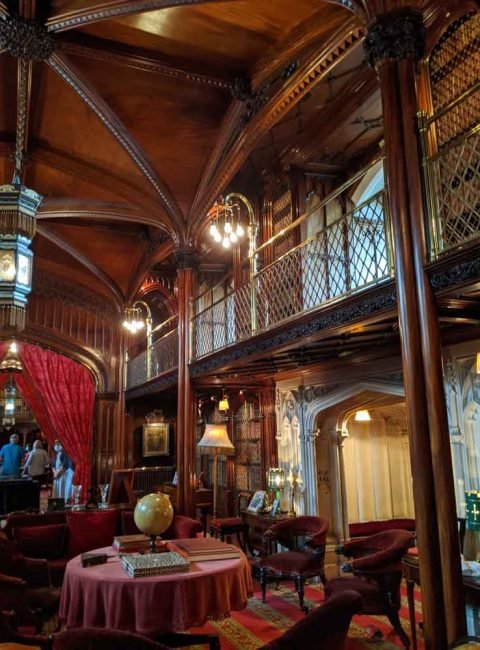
[[105, 596]]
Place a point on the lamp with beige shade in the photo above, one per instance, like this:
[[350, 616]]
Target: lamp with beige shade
[[215, 442]]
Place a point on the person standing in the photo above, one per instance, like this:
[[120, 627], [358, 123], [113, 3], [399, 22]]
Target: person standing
[[37, 461], [62, 473], [11, 455]]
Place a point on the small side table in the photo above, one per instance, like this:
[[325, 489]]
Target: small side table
[[258, 524]]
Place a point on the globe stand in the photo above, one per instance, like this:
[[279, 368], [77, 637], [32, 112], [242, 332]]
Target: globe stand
[[153, 545]]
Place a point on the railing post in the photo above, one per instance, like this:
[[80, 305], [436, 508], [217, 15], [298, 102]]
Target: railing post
[[191, 326], [434, 229], [252, 238]]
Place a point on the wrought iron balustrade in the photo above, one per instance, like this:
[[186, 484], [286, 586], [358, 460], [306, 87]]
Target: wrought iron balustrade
[[161, 357], [450, 138], [451, 174], [343, 257]]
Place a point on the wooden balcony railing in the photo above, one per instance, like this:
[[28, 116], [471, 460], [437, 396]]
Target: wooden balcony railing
[[451, 172], [341, 257], [160, 358]]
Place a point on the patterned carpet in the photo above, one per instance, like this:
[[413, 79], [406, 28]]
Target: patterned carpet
[[261, 622]]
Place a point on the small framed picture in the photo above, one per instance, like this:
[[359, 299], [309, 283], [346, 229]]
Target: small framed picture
[[155, 439], [257, 502], [275, 507]]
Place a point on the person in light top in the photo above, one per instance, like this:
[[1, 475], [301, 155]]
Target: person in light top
[[37, 461], [62, 473]]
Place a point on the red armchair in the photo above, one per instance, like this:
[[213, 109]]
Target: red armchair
[[325, 628], [305, 537], [377, 568]]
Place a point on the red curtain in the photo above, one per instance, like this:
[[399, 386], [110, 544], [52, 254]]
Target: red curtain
[[67, 391], [35, 402]]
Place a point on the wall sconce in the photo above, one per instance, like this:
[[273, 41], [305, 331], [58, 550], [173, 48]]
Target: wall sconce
[[362, 416], [478, 363], [11, 361]]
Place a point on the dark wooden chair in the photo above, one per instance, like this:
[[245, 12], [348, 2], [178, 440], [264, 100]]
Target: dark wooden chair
[[305, 538], [377, 573], [225, 527], [325, 628]]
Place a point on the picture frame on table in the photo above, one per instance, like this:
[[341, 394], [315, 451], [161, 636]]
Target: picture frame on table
[[257, 502], [155, 439], [275, 507]]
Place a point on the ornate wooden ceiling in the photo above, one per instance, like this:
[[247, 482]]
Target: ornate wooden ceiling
[[132, 116]]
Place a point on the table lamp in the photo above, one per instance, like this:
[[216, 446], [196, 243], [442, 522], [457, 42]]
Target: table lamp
[[153, 514], [276, 480], [215, 442]]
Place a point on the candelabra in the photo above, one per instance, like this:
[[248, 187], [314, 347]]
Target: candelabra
[[294, 482]]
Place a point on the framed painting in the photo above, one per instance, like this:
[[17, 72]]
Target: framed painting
[[155, 439], [257, 502]]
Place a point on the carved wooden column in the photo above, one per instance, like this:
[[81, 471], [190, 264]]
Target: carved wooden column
[[269, 442], [394, 43], [186, 260]]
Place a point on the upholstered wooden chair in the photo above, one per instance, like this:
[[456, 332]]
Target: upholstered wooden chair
[[305, 538], [325, 628], [225, 527], [377, 573]]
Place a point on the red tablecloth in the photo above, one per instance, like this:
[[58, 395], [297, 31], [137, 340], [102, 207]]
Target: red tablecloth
[[105, 596]]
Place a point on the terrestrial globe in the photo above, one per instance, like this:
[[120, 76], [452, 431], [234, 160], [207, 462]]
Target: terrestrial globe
[[153, 515]]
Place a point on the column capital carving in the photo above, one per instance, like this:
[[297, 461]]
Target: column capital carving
[[394, 36], [26, 38], [186, 258]]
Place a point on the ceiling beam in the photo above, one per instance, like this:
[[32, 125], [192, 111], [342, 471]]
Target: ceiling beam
[[103, 50], [331, 118], [236, 149], [80, 257], [113, 9], [73, 77], [232, 124], [145, 265], [51, 209], [66, 163]]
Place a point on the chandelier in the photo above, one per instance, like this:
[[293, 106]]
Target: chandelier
[[18, 208], [226, 217], [134, 321]]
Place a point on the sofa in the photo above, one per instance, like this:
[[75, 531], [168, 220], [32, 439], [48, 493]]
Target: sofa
[[58, 536]]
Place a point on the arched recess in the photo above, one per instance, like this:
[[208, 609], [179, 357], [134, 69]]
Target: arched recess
[[321, 448], [61, 393], [85, 357]]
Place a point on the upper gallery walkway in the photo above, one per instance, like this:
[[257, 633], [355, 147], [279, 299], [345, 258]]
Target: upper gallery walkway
[[333, 264]]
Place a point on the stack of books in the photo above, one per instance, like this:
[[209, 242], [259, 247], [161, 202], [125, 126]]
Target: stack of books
[[204, 549], [153, 564], [136, 544]]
